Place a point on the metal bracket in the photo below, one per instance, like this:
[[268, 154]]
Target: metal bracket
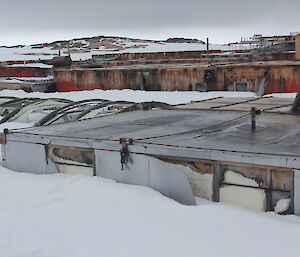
[[124, 152], [3, 136]]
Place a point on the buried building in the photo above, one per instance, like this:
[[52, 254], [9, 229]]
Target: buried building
[[214, 149]]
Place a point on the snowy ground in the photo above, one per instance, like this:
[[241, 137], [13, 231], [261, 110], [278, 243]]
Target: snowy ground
[[64, 215], [177, 97]]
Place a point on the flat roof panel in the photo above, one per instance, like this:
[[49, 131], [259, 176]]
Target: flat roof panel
[[204, 129]]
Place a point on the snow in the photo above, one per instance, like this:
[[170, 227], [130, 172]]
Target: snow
[[236, 195], [26, 53], [283, 95], [170, 47], [70, 215], [175, 97], [34, 65], [9, 80], [288, 218], [282, 205], [202, 201], [232, 177], [116, 45]]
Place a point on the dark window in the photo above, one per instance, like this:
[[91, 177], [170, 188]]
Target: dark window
[[241, 86], [202, 87]]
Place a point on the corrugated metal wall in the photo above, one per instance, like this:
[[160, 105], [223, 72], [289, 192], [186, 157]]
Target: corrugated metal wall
[[279, 78]]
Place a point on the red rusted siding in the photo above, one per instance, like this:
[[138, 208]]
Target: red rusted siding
[[285, 78], [23, 72]]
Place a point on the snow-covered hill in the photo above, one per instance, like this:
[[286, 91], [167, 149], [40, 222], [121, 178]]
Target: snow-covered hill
[[84, 48]]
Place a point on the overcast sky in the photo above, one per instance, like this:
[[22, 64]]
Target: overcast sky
[[223, 21]]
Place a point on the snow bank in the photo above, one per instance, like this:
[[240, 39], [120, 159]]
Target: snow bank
[[283, 95], [233, 177], [63, 215], [282, 205], [34, 65], [175, 97]]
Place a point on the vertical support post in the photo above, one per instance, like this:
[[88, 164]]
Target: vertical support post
[[217, 180], [253, 118], [69, 49], [124, 152], [269, 190], [207, 47]]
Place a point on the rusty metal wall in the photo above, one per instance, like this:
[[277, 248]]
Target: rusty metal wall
[[284, 80], [165, 79], [23, 72], [279, 78]]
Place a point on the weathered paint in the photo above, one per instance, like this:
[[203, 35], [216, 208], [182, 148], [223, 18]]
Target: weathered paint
[[279, 78], [23, 72]]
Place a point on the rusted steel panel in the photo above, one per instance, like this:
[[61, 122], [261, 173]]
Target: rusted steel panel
[[177, 79], [284, 80], [23, 72], [2, 138], [278, 78]]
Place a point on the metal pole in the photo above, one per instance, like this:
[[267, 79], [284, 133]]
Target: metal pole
[[253, 118], [207, 47]]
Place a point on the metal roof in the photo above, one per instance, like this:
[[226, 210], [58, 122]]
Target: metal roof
[[207, 134]]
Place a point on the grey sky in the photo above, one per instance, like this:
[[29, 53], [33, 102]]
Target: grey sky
[[223, 21]]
